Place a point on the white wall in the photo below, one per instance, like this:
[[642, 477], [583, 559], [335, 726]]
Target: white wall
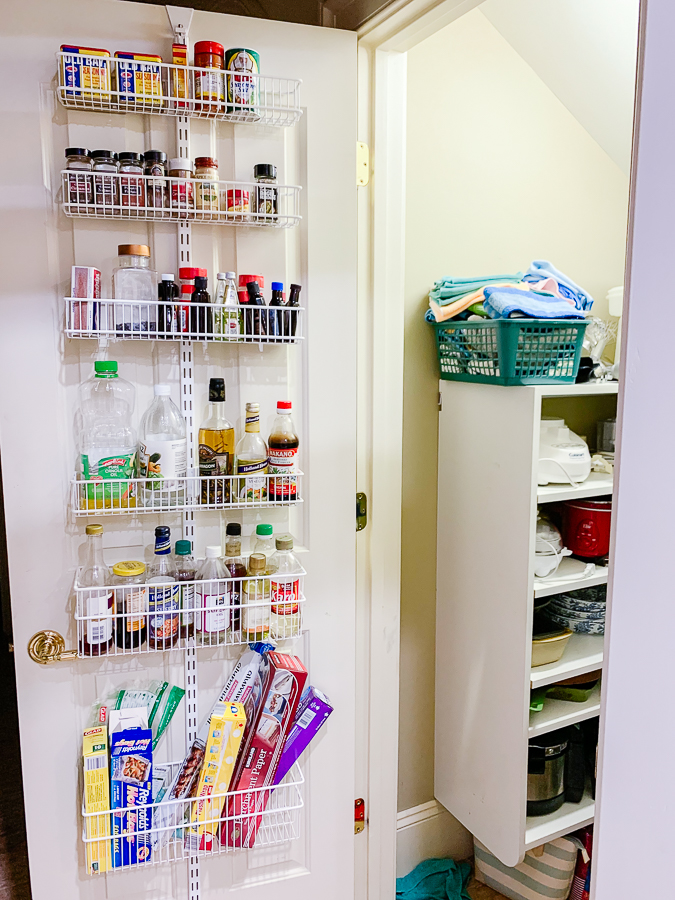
[[498, 173]]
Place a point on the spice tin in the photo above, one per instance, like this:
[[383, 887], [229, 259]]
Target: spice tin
[[138, 78], [86, 72], [242, 66], [234, 200]]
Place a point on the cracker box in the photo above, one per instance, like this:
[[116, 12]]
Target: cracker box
[[313, 710], [85, 283], [138, 77], [96, 799], [86, 73], [131, 792], [243, 810], [226, 730]]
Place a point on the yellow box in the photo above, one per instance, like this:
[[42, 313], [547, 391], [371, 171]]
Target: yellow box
[[138, 78], [97, 798], [226, 729]]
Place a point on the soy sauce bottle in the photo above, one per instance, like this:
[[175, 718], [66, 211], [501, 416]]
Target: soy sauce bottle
[[294, 300], [201, 317], [277, 319], [167, 313], [283, 454], [257, 319]]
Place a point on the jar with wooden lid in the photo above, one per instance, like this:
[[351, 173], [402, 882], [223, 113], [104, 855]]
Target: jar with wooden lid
[[210, 81], [135, 281], [180, 185], [206, 187], [80, 189], [106, 188], [132, 189]]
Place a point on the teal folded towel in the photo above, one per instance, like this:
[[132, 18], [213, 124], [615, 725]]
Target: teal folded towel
[[449, 289], [435, 879]]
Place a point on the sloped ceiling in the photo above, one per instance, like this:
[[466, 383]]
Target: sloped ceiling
[[585, 52]]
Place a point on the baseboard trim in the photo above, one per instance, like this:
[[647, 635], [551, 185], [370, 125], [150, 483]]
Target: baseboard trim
[[417, 814], [429, 831]]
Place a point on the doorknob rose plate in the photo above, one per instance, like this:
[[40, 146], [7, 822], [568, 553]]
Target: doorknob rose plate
[[48, 647]]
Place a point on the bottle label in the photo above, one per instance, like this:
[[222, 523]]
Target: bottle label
[[162, 598], [134, 603], [266, 196], [256, 610], [285, 597], [254, 487], [252, 419], [283, 462], [109, 468], [214, 612], [212, 463], [227, 322], [132, 191], [79, 188], [207, 195], [209, 85], [163, 461], [99, 630]]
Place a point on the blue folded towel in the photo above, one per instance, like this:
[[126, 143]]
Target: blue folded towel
[[499, 303], [435, 879], [541, 268]]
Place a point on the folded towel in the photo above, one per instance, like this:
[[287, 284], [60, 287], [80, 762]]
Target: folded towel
[[449, 289], [541, 268], [500, 302], [441, 313], [435, 879]]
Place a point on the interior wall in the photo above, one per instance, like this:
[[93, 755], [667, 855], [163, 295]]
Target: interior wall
[[499, 172]]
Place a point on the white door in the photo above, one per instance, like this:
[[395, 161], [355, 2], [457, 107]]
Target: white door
[[40, 370]]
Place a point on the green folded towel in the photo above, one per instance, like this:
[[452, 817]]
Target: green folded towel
[[435, 879], [448, 289]]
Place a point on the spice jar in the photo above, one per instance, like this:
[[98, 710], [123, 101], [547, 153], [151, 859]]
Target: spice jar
[[132, 189], [156, 186], [206, 188], [266, 194], [181, 190], [209, 83], [236, 202], [106, 193], [80, 188]]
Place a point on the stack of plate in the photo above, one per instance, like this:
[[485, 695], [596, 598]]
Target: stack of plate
[[582, 611]]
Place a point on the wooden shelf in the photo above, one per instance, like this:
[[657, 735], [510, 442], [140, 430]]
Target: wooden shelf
[[584, 653], [559, 585], [559, 713], [579, 390], [570, 816], [597, 484]]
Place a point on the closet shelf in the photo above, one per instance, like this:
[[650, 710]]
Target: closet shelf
[[589, 389], [559, 713], [569, 817], [550, 586], [596, 485], [584, 653]]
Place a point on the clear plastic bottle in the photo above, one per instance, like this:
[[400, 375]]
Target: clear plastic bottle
[[106, 439], [256, 600], [186, 571], [213, 609], [283, 454], [96, 635], [163, 596], [235, 565], [251, 459], [162, 452], [285, 617], [265, 544], [228, 319], [134, 280]]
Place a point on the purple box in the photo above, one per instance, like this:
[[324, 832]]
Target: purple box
[[313, 710]]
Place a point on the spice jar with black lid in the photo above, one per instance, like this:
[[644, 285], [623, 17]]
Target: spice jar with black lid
[[132, 189], [106, 193], [78, 164], [266, 194], [156, 188]]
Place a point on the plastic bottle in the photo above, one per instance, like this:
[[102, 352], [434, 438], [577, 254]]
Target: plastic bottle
[[283, 454], [256, 601], [234, 564], [162, 452], [256, 320], [96, 634], [277, 320], [251, 459], [216, 448], [131, 601], [228, 320], [163, 597], [213, 610], [265, 544], [186, 571], [285, 584], [107, 440]]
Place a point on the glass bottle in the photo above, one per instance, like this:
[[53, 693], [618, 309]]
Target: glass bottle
[[227, 320], [206, 187], [156, 188], [283, 454], [80, 186], [131, 600], [186, 571], [265, 544], [213, 610], [277, 320], [201, 315], [256, 601], [251, 459], [285, 589], [293, 301], [168, 310], [134, 280], [216, 448], [106, 187], [186, 292], [132, 189], [257, 320], [96, 635], [162, 452], [266, 194], [234, 563], [180, 185], [163, 597]]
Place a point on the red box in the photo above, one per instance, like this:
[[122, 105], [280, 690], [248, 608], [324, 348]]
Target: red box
[[243, 811]]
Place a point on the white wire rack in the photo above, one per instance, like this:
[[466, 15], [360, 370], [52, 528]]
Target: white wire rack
[[112, 195], [152, 320], [190, 492], [106, 84], [178, 829], [138, 618]]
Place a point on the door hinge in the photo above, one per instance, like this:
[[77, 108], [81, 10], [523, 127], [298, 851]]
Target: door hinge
[[362, 164], [361, 511], [440, 402], [359, 816]]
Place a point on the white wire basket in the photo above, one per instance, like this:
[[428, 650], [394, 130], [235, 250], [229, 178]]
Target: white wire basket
[[151, 320], [126, 496], [114, 195], [179, 829], [137, 618], [106, 84]]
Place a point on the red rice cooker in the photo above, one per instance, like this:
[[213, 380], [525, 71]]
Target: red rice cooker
[[586, 527]]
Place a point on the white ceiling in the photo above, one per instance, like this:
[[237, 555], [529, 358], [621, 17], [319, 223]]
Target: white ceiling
[[585, 52]]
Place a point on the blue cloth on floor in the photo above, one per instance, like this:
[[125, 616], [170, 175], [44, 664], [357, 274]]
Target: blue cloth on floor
[[499, 303], [435, 879], [448, 289], [542, 268]]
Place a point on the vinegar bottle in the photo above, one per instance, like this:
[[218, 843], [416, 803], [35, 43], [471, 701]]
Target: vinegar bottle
[[283, 453], [186, 571], [96, 636], [235, 566], [251, 459], [213, 613]]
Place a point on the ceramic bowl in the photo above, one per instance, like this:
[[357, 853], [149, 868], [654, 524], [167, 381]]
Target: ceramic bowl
[[581, 626], [592, 615]]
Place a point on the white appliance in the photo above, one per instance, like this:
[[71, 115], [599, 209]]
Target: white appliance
[[548, 549], [563, 456]]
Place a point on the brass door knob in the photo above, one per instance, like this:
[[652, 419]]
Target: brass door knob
[[48, 647]]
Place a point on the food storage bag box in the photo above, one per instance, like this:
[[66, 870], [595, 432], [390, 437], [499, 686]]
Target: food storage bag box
[[131, 794], [545, 873], [96, 798]]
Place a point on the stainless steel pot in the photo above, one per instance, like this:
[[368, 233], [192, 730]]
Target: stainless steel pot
[[546, 773]]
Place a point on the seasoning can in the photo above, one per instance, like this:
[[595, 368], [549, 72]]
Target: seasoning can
[[235, 202], [242, 68], [106, 188], [80, 189], [178, 90], [266, 194], [85, 73], [180, 184], [206, 186], [209, 83], [132, 189], [139, 80], [156, 188]]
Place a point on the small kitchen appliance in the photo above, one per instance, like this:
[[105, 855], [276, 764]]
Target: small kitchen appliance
[[586, 526], [548, 549], [546, 772], [563, 455]]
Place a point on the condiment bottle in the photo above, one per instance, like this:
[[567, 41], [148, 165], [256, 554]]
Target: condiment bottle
[[163, 596], [255, 321], [266, 194], [96, 635], [106, 188], [134, 280], [80, 187], [251, 459], [209, 83], [277, 321], [256, 600], [265, 544], [283, 454], [186, 292], [154, 162], [186, 573], [132, 190], [180, 173], [294, 301], [216, 448], [227, 316], [213, 610], [168, 313], [201, 315], [234, 564], [162, 452], [206, 187], [130, 604], [285, 588]]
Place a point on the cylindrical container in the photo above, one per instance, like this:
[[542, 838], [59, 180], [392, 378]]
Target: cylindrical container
[[131, 602], [132, 189], [546, 773], [206, 188], [266, 195], [80, 187], [586, 527], [181, 190], [242, 292], [209, 83], [606, 435], [236, 203], [134, 280], [106, 193], [156, 187], [242, 67]]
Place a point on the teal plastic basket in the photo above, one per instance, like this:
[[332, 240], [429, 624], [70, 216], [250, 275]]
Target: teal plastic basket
[[510, 351]]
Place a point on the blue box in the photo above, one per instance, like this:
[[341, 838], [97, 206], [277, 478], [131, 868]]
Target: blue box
[[131, 786]]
